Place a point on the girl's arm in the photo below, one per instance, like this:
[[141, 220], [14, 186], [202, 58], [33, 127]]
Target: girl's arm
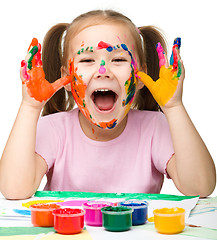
[[191, 168], [21, 169]]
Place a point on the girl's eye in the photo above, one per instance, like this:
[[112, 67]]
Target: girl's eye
[[119, 60], [86, 60]]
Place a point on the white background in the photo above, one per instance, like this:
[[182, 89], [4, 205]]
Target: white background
[[194, 21]]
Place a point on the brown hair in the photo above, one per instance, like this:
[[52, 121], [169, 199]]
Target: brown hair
[[54, 56]]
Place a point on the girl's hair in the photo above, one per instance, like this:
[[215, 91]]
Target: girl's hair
[[56, 49]]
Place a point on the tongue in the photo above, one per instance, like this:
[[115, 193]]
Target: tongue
[[104, 103]]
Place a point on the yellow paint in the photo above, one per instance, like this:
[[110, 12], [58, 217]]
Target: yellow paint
[[28, 204], [169, 220], [151, 219], [164, 88]]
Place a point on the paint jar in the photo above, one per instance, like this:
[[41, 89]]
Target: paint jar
[[93, 214], [140, 209], [68, 220], [41, 214], [117, 219], [169, 220]]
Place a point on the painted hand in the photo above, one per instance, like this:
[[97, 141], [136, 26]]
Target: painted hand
[[165, 87], [33, 75]]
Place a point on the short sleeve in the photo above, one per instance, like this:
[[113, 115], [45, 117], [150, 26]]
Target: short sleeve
[[162, 146], [46, 141]]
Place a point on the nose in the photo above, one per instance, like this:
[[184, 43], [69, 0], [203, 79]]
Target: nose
[[103, 71]]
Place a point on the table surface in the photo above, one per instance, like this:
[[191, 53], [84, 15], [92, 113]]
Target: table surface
[[99, 233]]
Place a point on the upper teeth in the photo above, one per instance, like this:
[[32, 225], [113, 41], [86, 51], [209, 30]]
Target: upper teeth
[[102, 90]]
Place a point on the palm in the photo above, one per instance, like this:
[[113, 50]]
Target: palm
[[164, 89], [34, 77]]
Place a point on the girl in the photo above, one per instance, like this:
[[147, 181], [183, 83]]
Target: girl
[[110, 67]]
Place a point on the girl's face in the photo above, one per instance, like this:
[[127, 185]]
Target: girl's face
[[104, 68]]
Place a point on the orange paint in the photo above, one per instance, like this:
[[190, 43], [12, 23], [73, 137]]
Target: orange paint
[[41, 214], [37, 86], [108, 124], [33, 43], [78, 88]]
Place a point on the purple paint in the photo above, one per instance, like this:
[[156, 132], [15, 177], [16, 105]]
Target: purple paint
[[102, 69], [161, 56], [93, 214]]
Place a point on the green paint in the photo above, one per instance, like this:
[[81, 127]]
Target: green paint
[[79, 52], [117, 219], [139, 196], [179, 69], [91, 49], [33, 51], [102, 63], [11, 231], [84, 103]]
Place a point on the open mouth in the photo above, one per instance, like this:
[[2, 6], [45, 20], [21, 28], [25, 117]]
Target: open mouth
[[104, 99]]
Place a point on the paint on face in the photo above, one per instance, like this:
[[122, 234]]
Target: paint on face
[[102, 69], [79, 87]]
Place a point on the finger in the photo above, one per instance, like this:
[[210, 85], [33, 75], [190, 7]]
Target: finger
[[177, 43], [31, 61], [33, 43], [37, 57], [161, 55], [181, 69], [24, 74]]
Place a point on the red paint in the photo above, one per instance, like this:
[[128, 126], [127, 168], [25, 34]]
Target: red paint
[[102, 45], [41, 214], [23, 63], [68, 220], [175, 57]]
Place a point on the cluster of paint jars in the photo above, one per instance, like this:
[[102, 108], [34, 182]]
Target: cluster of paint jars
[[115, 218], [64, 220], [94, 213]]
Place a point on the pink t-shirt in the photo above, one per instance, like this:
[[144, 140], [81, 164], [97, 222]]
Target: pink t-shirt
[[134, 162]]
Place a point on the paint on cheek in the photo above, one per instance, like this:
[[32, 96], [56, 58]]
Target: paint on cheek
[[102, 69], [78, 88]]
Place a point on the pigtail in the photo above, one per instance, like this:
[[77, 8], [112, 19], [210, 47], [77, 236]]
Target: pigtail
[[151, 36], [52, 62]]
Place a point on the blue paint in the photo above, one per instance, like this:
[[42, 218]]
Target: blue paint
[[109, 49], [177, 42], [171, 59], [22, 212], [140, 209]]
